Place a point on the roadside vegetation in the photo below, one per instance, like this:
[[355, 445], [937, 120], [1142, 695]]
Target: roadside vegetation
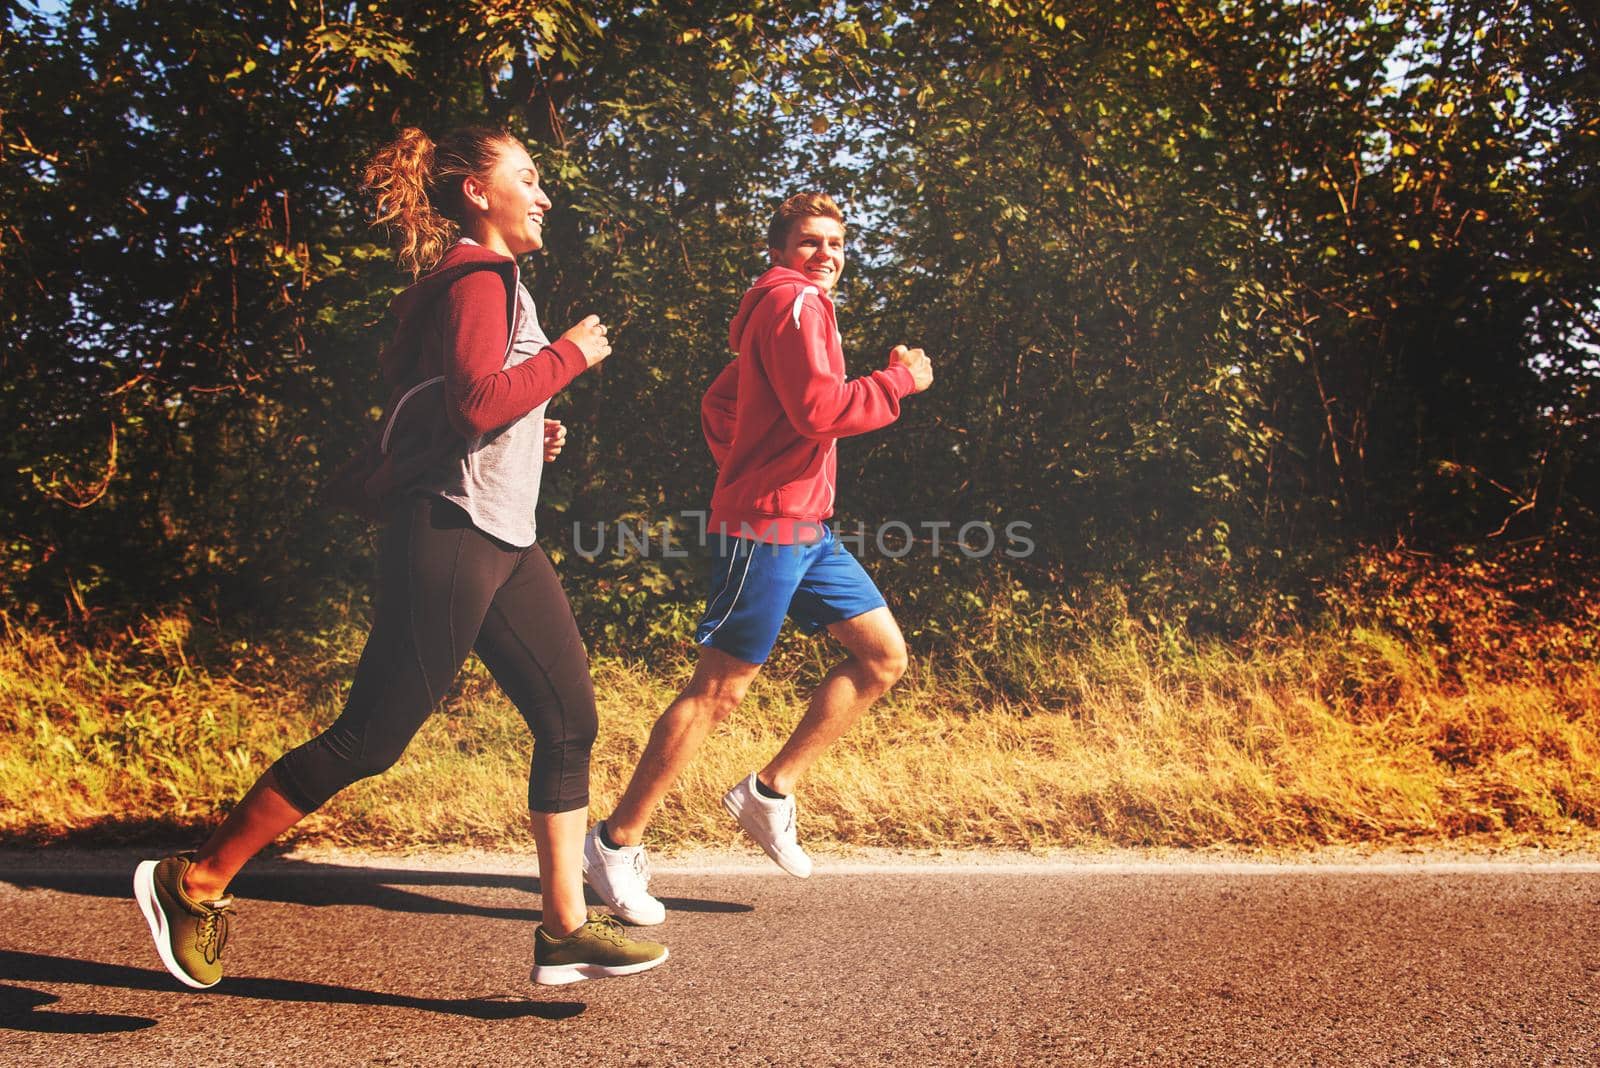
[[1421, 712]]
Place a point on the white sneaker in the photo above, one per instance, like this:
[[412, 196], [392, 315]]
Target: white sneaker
[[622, 877], [771, 823]]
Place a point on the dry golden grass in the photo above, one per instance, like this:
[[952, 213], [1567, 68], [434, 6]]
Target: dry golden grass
[[1354, 738]]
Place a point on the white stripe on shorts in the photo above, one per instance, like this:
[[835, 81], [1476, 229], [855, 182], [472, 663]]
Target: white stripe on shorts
[[743, 575]]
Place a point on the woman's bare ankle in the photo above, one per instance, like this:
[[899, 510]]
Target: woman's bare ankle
[[203, 884], [564, 926]]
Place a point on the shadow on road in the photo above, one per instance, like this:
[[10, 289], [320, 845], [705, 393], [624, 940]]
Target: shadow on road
[[19, 1007], [16, 1012], [314, 884]]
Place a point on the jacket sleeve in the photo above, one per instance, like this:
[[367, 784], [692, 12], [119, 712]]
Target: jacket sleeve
[[820, 403], [718, 412], [481, 393]]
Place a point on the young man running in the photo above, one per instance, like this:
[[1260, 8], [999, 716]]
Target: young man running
[[772, 419]]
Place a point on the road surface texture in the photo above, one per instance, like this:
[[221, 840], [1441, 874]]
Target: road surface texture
[[345, 959]]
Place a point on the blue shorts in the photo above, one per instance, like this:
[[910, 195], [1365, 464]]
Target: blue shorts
[[755, 584]]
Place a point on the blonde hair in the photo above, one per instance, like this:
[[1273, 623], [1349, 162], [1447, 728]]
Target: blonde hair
[[415, 183], [800, 206]]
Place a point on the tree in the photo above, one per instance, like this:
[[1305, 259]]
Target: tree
[[1216, 291]]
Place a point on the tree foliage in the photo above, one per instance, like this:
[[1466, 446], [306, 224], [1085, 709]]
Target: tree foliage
[[1216, 292]]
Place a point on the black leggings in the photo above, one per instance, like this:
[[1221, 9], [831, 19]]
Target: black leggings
[[445, 589]]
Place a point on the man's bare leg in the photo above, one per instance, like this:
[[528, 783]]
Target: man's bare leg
[[877, 660], [763, 804], [719, 684]]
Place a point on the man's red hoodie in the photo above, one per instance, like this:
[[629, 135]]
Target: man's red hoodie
[[774, 414], [455, 328]]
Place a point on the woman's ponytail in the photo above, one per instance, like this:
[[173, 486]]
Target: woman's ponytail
[[416, 188]]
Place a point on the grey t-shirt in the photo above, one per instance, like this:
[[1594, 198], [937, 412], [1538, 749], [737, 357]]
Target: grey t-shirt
[[497, 482]]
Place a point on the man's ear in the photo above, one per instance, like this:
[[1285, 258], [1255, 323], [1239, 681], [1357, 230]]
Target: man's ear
[[474, 192]]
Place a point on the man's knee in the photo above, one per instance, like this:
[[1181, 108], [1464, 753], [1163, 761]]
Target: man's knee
[[887, 665], [718, 686], [716, 703]]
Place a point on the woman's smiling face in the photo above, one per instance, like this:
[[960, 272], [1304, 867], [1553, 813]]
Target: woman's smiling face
[[510, 203]]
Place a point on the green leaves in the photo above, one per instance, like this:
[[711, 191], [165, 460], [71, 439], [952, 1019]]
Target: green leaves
[[1213, 291], [362, 42]]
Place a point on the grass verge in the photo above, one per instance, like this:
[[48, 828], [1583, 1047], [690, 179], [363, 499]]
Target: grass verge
[[1121, 741]]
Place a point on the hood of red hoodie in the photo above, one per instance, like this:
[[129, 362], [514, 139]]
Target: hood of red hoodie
[[776, 278], [412, 307]]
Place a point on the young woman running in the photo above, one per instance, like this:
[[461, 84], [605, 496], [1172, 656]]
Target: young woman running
[[463, 448]]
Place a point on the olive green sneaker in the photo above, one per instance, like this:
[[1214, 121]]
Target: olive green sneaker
[[189, 934], [598, 949]]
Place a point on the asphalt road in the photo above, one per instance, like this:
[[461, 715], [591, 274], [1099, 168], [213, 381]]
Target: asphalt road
[[958, 961]]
